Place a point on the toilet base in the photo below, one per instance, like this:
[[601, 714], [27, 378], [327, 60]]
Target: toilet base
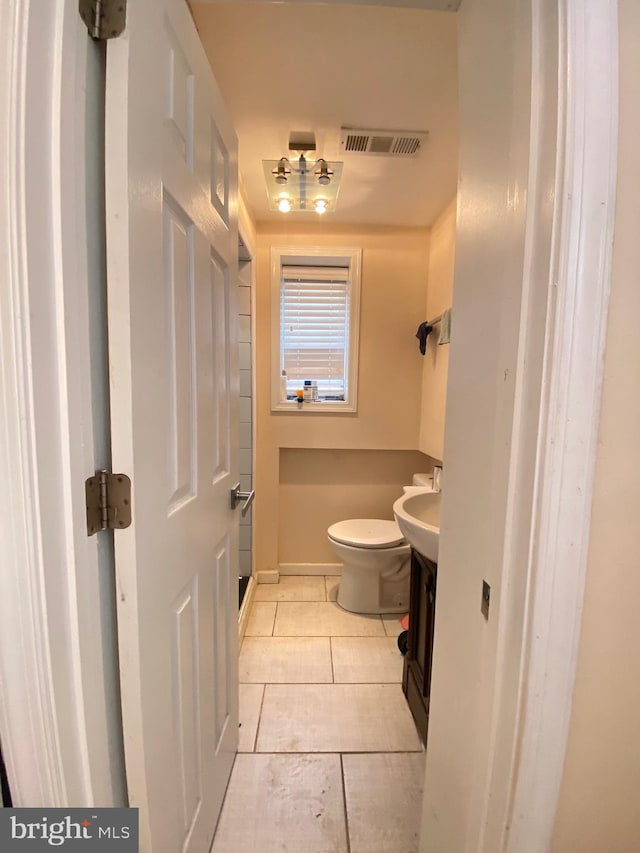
[[367, 592]]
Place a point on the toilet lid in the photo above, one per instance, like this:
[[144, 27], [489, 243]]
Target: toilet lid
[[367, 533]]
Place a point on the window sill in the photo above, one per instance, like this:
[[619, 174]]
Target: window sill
[[317, 408]]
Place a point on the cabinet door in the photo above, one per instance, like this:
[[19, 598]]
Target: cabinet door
[[417, 664], [427, 625]]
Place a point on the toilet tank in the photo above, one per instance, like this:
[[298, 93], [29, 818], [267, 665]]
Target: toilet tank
[[421, 479]]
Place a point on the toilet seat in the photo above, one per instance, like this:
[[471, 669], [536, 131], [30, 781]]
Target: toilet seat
[[367, 533]]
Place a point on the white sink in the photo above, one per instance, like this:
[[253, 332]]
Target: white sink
[[418, 515]]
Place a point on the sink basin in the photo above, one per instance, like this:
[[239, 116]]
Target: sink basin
[[418, 517]]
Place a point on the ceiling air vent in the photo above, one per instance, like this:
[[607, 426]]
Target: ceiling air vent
[[386, 143]]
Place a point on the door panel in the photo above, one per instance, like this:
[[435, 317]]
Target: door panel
[[171, 187], [219, 173], [223, 673], [182, 450], [186, 689], [220, 323]]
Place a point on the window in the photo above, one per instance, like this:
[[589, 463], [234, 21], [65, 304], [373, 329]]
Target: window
[[315, 299]]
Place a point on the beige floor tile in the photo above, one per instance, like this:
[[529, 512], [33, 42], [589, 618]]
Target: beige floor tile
[[336, 718], [323, 619], [250, 704], [293, 660], [384, 801], [292, 588], [283, 804], [361, 660], [392, 624], [332, 582], [261, 619]]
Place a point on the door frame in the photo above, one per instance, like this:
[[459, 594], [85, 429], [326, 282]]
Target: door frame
[[553, 460], [56, 753], [583, 236], [59, 714]]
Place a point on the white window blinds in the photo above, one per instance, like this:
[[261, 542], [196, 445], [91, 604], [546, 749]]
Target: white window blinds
[[314, 328]]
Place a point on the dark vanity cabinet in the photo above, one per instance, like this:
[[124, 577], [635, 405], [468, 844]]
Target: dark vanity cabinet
[[416, 677]]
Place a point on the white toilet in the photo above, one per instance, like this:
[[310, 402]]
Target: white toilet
[[375, 575], [376, 557]]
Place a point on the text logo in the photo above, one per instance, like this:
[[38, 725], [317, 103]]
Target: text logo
[[27, 830]]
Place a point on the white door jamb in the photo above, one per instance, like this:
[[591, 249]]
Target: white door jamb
[[58, 745]]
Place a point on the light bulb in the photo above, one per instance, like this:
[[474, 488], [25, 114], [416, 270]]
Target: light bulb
[[323, 174], [321, 205], [284, 205], [281, 172]]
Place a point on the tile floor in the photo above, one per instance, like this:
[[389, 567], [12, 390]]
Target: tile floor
[[329, 759]]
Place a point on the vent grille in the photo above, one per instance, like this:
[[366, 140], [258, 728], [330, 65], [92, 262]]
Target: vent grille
[[386, 143], [406, 145], [356, 142]]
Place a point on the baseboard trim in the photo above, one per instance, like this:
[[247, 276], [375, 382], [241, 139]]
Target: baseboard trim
[[247, 601], [310, 568]]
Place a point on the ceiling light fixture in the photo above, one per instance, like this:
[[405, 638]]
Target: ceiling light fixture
[[312, 185]]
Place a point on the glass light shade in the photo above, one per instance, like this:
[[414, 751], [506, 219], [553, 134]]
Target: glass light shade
[[303, 188]]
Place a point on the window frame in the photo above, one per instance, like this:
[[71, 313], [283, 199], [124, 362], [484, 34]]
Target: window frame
[[314, 256]]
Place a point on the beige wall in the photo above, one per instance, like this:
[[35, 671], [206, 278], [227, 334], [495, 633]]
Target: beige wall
[[394, 280], [599, 807], [436, 360], [320, 487]]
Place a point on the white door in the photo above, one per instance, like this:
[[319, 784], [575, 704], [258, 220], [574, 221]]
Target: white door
[[172, 245]]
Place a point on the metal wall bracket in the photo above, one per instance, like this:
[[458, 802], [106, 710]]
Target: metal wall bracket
[[108, 499], [105, 19]]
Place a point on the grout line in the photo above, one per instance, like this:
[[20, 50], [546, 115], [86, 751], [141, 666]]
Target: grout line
[[301, 683], [320, 636], [255, 737], [282, 600], [273, 624], [344, 802], [336, 752], [382, 752], [255, 740], [333, 674], [332, 751], [326, 683], [314, 637]]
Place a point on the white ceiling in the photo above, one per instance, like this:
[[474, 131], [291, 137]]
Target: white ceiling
[[286, 67]]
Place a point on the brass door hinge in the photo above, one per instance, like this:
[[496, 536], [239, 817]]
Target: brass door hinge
[[108, 502], [105, 19]]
